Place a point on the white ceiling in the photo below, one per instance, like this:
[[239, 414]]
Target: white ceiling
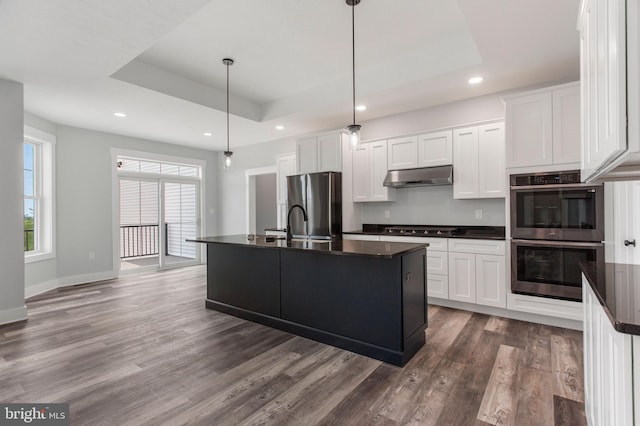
[[160, 61]]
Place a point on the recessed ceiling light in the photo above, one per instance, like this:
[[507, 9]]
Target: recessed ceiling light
[[361, 107], [279, 127], [475, 80], [207, 133], [119, 114]]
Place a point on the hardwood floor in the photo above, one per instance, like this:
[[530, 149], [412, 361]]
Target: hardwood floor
[[144, 350]]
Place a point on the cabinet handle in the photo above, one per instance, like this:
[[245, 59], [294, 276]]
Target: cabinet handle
[[628, 243]]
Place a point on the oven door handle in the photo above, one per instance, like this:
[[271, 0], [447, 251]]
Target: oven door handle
[[556, 186], [556, 243]]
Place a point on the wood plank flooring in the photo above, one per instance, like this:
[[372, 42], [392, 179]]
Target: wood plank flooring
[[143, 350]]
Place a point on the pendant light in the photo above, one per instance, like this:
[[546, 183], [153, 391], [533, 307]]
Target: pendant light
[[354, 129], [228, 153]]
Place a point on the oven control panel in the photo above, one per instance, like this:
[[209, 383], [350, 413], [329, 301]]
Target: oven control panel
[[546, 178]]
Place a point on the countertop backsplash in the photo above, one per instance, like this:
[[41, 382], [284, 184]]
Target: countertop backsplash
[[435, 206]]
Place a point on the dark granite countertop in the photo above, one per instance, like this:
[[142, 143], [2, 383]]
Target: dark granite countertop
[[617, 287], [381, 249], [471, 232]]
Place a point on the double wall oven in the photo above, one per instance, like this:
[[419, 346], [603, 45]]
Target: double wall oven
[[556, 223]]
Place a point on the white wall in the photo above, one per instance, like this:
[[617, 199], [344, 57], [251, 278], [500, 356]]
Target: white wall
[[232, 182], [12, 306]]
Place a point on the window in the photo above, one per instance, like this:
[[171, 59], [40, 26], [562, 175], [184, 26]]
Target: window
[[38, 194]]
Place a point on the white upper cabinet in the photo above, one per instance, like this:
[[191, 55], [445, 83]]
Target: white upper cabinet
[[491, 169], [478, 162], [330, 153], [319, 154], [566, 125], [609, 55], [369, 171], [402, 153], [465, 163], [528, 130], [435, 149], [543, 127]]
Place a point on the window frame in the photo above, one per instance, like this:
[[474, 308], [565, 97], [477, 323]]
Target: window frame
[[44, 194]]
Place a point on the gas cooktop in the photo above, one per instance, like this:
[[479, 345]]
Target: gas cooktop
[[417, 230]]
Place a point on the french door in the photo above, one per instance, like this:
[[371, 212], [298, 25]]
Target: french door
[[157, 216]]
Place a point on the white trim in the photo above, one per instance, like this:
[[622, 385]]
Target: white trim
[[39, 256], [143, 155], [250, 191], [115, 213], [13, 315], [46, 143], [508, 313], [40, 288], [115, 196], [86, 278]]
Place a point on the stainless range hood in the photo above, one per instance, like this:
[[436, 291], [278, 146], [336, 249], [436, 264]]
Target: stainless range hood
[[425, 176]]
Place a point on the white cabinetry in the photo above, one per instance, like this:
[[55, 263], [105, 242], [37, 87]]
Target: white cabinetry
[[319, 154], [609, 54], [435, 149], [478, 162], [477, 272], [425, 150], [543, 127], [403, 153], [369, 171], [608, 366]]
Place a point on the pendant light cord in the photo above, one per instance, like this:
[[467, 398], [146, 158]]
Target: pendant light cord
[[353, 57], [228, 106]]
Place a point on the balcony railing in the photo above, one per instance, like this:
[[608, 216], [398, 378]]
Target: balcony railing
[[138, 240], [29, 243]]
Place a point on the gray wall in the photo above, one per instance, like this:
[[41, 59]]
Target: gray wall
[[84, 203], [266, 213], [232, 182], [11, 192]]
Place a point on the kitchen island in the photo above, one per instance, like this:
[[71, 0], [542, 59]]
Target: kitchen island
[[368, 297]]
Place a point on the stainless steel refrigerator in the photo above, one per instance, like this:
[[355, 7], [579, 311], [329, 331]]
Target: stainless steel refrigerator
[[321, 196]]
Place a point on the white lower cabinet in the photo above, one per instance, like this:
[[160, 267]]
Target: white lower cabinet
[[462, 277], [609, 385], [477, 272]]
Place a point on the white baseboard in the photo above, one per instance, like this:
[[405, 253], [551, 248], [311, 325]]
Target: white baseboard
[[86, 278], [40, 288], [13, 315]]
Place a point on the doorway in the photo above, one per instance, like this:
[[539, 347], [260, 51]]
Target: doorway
[[262, 209], [156, 209]]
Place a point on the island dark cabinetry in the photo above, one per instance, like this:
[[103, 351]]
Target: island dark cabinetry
[[366, 297], [245, 277]]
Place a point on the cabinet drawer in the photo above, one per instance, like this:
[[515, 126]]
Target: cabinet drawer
[[438, 286], [476, 246], [437, 262]]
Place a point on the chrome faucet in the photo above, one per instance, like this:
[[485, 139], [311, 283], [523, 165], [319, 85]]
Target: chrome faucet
[[304, 216]]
